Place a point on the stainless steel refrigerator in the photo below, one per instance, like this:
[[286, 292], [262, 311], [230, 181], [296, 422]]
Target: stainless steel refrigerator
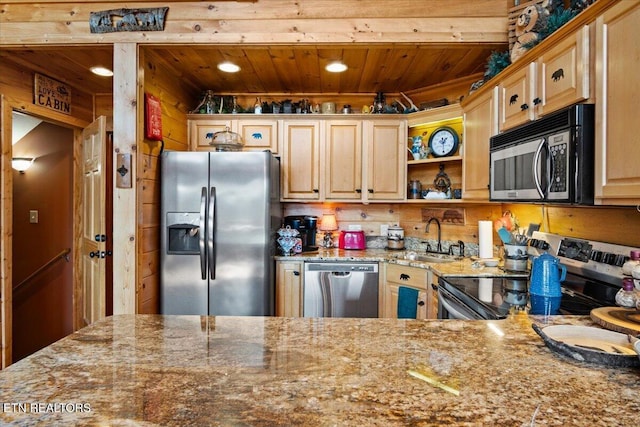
[[220, 214]]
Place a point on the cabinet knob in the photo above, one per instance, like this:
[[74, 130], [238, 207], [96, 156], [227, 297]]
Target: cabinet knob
[[537, 101], [420, 303], [434, 286], [370, 190], [359, 190], [315, 190], [404, 276], [524, 107], [296, 273]]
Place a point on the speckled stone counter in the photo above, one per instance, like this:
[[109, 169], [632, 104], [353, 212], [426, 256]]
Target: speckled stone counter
[[189, 370], [461, 267]]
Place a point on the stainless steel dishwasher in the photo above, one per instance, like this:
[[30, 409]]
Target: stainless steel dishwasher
[[340, 289]]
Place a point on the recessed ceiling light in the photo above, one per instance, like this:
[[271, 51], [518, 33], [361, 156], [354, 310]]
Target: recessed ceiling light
[[228, 67], [336, 67], [102, 71]]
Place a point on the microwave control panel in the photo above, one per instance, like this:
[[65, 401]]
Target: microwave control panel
[[559, 153]]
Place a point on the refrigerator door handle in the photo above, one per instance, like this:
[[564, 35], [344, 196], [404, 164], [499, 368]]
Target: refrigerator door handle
[[202, 233], [211, 234]]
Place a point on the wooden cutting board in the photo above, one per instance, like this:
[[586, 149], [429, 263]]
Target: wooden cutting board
[[625, 320]]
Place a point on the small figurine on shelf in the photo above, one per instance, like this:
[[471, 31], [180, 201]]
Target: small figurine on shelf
[[257, 108]]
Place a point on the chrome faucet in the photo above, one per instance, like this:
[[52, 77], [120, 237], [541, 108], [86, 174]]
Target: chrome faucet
[[439, 247]]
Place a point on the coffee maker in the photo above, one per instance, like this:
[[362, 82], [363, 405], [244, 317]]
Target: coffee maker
[[307, 226]]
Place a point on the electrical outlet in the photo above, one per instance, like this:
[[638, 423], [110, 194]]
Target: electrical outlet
[[384, 229], [354, 227], [33, 217]]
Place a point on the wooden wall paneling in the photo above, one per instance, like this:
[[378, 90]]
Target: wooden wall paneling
[[619, 225], [176, 98], [281, 21], [17, 85], [126, 111], [6, 231], [18, 77]]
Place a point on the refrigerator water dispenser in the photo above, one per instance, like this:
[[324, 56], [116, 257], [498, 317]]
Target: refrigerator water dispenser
[[183, 233]]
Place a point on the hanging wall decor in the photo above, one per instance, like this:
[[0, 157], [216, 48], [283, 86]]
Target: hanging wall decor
[[116, 20]]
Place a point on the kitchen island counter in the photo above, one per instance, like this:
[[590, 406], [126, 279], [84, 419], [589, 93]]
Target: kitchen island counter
[[193, 370]]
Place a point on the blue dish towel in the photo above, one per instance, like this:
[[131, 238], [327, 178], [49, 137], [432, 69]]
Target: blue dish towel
[[407, 303]]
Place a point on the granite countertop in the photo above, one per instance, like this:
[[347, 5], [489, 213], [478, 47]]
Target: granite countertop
[[460, 267], [264, 371]]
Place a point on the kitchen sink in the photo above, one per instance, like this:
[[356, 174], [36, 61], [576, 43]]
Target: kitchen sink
[[429, 257]]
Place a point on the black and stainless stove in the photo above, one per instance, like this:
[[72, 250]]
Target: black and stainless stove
[[594, 276]]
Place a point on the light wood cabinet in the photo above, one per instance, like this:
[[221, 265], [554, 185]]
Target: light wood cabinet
[[289, 290], [257, 133], [410, 277], [617, 168], [343, 153], [480, 124], [300, 172], [559, 77], [344, 160], [516, 93], [563, 73], [384, 160]]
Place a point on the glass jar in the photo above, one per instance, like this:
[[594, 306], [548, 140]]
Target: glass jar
[[627, 296]]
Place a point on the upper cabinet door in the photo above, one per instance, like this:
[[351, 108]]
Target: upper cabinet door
[[385, 159], [259, 134], [201, 132], [480, 124], [516, 97], [564, 73], [617, 169], [343, 154], [300, 174]]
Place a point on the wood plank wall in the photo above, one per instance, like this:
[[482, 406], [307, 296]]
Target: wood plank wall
[[619, 225], [260, 22], [175, 99]]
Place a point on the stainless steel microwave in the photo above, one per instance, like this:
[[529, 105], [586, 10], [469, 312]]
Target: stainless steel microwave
[[547, 160]]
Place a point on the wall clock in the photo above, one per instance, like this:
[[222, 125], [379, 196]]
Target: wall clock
[[444, 142]]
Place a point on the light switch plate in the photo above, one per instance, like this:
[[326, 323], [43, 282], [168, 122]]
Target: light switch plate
[[384, 229], [33, 216]]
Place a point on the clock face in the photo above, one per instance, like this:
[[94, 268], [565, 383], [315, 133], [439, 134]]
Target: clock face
[[443, 142]]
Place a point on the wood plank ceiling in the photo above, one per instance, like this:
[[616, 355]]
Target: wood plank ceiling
[[274, 69]]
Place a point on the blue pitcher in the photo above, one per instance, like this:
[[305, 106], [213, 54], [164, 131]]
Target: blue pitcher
[[546, 275]]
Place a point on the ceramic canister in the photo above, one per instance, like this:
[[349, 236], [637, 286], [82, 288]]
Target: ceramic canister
[[395, 237], [328, 108]]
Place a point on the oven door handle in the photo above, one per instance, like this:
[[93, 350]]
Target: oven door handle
[[458, 312], [536, 163]]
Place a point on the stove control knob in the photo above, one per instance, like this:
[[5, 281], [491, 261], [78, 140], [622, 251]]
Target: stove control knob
[[619, 260], [608, 258], [596, 256]]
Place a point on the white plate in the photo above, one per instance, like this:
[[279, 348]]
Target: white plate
[[488, 262]]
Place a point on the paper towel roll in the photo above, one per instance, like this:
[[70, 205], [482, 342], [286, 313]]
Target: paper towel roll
[[485, 289], [485, 239]]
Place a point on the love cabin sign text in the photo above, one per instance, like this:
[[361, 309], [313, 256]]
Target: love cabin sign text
[[52, 94]]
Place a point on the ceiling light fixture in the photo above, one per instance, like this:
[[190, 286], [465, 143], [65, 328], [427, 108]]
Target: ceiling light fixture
[[228, 67], [21, 164], [336, 67], [101, 71]]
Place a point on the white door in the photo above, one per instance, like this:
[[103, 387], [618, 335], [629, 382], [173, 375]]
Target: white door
[[93, 247]]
